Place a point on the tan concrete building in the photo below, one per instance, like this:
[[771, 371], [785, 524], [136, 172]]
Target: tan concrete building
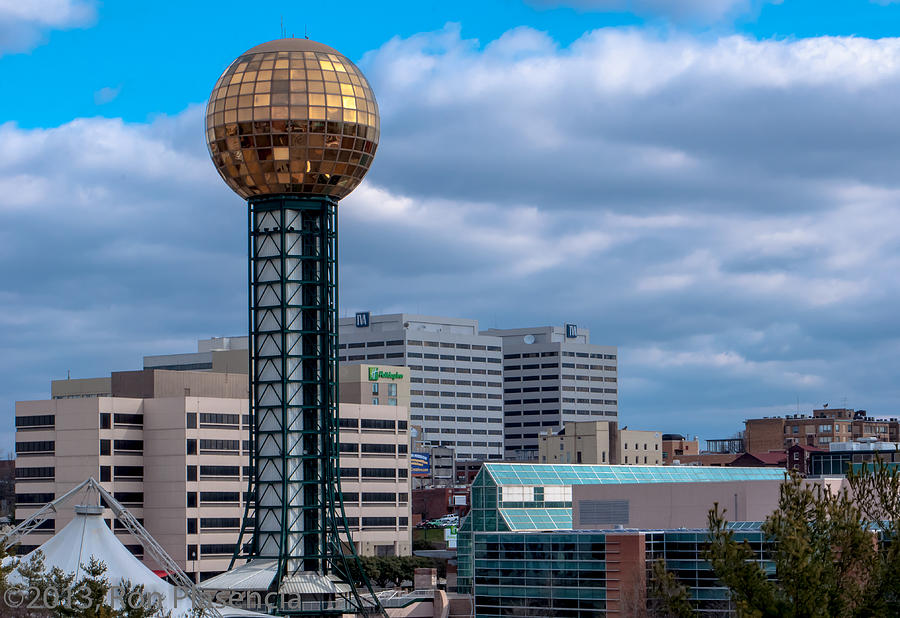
[[600, 442], [173, 447], [823, 427], [676, 446], [677, 505], [384, 385]]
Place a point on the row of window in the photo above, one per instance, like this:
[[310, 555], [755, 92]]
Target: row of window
[[37, 446], [378, 522], [467, 431], [360, 357], [454, 357], [490, 372], [426, 344], [596, 402], [456, 419], [41, 472], [374, 449], [451, 382], [454, 406], [371, 344], [565, 353], [371, 423], [461, 394], [38, 420], [375, 496], [375, 473], [213, 523], [556, 412]]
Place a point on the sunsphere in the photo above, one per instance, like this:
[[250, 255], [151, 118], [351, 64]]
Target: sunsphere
[[292, 126], [292, 116]]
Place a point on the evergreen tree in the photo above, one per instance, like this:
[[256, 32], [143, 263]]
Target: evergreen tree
[[835, 553]]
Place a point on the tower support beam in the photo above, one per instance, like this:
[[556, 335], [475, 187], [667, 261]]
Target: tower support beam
[[297, 516]]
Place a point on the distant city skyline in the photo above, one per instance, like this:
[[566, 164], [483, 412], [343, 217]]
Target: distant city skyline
[[713, 191]]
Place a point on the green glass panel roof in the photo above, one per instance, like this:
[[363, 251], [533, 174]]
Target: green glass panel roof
[[574, 474], [537, 519]]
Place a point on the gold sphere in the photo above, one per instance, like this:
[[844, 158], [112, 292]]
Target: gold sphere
[[292, 116]]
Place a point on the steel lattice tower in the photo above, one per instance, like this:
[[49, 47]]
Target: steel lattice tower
[[292, 126]]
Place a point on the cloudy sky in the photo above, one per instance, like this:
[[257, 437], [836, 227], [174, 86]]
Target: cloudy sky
[[712, 188]]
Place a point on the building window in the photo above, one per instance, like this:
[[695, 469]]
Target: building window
[[191, 499], [191, 446], [219, 523], [192, 473], [128, 446], [377, 423], [374, 401], [392, 401], [191, 420], [220, 471], [36, 473], [128, 473], [129, 419], [130, 498], [192, 525], [105, 420], [378, 448], [375, 388], [219, 445], [217, 497], [105, 447], [34, 498], [392, 390], [41, 420], [40, 446]]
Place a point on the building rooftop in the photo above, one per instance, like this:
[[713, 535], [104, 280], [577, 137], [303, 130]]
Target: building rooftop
[[574, 474]]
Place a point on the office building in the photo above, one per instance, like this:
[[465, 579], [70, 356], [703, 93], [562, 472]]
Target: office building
[[520, 553], [600, 442], [217, 354], [823, 427], [173, 447], [456, 382], [676, 446], [553, 375], [837, 459]]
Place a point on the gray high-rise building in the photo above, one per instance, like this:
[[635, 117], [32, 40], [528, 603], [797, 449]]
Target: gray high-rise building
[[456, 375], [553, 375]]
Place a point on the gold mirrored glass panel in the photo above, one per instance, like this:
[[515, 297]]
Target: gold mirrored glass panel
[[292, 116]]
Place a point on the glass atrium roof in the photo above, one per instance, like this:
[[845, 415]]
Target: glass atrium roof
[[537, 519], [562, 474]]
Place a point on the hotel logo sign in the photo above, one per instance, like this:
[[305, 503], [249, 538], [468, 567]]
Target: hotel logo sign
[[378, 374]]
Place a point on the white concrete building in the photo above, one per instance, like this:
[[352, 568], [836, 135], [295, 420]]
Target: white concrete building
[[553, 375], [173, 447], [456, 381]]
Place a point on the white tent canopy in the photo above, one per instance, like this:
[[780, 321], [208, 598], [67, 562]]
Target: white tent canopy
[[86, 536]]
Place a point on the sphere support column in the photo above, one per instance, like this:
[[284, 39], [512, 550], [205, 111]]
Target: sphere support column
[[295, 475]]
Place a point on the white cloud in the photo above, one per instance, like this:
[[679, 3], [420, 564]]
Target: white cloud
[[724, 210], [24, 23], [678, 10], [106, 94]]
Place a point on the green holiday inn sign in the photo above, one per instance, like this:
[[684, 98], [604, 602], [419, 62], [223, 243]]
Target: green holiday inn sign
[[375, 374]]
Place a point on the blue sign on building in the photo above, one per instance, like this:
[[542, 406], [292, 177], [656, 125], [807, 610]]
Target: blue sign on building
[[571, 331], [420, 464], [362, 319]]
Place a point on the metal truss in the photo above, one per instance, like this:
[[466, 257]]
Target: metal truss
[[294, 504], [200, 601]]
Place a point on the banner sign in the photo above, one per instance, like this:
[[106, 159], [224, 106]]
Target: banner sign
[[420, 464]]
